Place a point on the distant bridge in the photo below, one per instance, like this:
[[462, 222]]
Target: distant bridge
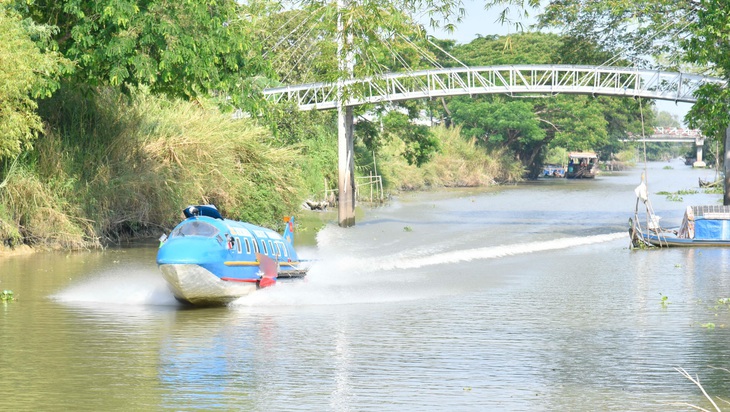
[[675, 135], [671, 134]]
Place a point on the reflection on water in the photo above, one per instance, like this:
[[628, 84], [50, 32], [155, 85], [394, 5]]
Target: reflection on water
[[512, 298]]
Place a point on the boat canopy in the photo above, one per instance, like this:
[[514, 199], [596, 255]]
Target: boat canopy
[[582, 155], [706, 222]]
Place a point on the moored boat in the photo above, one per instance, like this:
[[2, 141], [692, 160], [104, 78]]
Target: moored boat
[[208, 260], [553, 171], [707, 225], [582, 165]]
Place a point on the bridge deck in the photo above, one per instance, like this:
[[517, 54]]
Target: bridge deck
[[516, 79]]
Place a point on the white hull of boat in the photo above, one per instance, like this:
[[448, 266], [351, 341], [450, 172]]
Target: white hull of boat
[[196, 285]]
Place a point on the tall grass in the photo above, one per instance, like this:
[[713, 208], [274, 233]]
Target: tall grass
[[460, 163], [111, 167]]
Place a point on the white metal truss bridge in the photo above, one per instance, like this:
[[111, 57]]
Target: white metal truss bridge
[[535, 80]]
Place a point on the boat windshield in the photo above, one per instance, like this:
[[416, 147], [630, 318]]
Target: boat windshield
[[195, 228]]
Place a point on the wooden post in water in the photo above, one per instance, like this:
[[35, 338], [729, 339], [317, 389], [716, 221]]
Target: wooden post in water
[[345, 147]]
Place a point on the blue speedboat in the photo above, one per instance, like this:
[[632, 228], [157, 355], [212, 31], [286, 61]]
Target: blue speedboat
[[208, 260]]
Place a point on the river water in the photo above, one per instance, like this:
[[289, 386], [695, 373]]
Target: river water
[[517, 298]]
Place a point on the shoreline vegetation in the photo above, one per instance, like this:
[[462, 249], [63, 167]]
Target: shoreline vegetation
[[111, 168]]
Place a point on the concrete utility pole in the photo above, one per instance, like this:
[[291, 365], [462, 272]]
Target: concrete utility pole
[[345, 147]]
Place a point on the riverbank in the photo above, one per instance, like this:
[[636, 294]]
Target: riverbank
[[112, 168]]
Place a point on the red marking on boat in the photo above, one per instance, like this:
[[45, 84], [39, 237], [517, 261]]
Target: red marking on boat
[[240, 280]]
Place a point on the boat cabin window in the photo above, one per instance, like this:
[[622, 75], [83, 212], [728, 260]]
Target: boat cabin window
[[248, 246], [195, 228], [255, 246], [263, 247], [282, 249], [271, 248], [238, 244]]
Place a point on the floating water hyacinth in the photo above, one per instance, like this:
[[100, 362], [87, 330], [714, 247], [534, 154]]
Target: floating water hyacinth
[[6, 295]]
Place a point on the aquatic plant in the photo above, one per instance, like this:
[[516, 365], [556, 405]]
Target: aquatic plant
[[676, 196], [6, 296], [664, 301]]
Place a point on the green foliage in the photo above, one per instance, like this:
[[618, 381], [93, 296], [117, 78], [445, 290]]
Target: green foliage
[[578, 122], [640, 29], [314, 133], [556, 156], [510, 124], [420, 143], [570, 122], [379, 36], [711, 112], [666, 119], [36, 214], [523, 48], [115, 167], [7, 296], [180, 48], [460, 163], [26, 72], [672, 32], [497, 123], [677, 196], [664, 301]]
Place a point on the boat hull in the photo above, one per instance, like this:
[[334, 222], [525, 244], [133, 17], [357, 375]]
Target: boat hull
[[193, 284], [670, 240]]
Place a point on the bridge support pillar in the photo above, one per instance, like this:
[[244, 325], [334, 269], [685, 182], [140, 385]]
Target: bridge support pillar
[[699, 142], [346, 167]]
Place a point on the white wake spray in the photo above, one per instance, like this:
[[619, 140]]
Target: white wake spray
[[492, 252]]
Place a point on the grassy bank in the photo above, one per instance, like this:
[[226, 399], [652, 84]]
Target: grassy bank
[[459, 163], [111, 168]]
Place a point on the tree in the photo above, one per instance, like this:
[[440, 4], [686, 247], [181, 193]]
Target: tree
[[691, 35], [420, 143], [179, 48], [26, 73], [666, 119], [499, 123], [708, 46], [573, 122]]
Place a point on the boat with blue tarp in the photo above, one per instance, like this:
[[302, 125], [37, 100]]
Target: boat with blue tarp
[[705, 225]]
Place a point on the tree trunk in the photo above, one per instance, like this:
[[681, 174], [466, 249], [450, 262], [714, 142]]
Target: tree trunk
[[726, 198]]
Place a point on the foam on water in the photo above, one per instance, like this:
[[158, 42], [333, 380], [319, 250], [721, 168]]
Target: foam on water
[[496, 251], [337, 279], [120, 286]]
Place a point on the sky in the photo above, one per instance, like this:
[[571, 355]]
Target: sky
[[484, 22]]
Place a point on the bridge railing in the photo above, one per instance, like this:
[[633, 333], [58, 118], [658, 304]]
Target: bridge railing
[[510, 80]]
